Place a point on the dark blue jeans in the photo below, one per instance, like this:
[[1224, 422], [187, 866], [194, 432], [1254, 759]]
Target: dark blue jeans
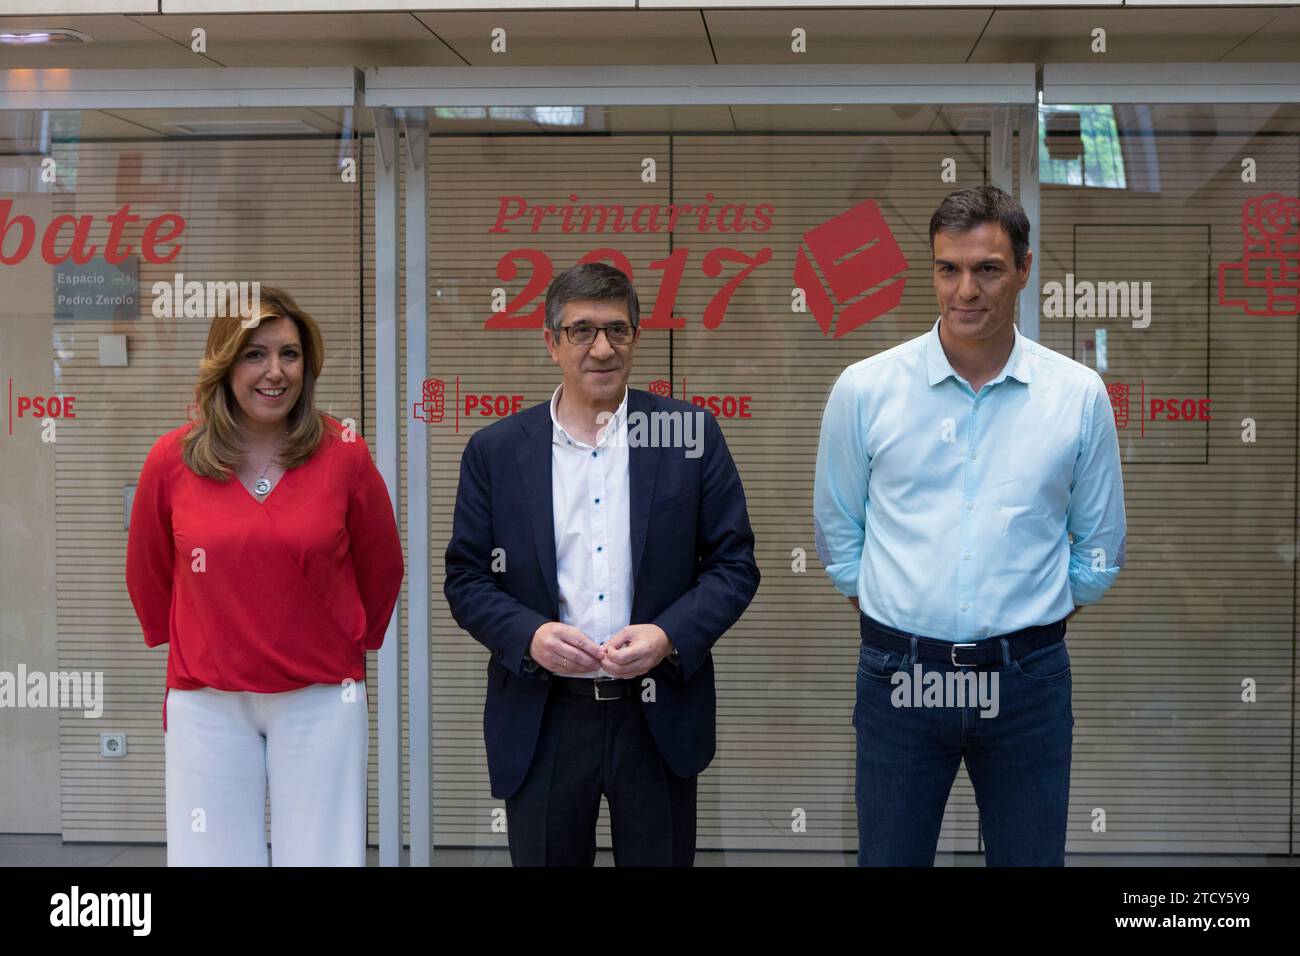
[[1018, 758]]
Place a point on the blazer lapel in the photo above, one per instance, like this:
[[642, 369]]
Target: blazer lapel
[[643, 467], [533, 455]]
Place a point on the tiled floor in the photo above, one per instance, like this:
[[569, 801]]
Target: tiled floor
[[21, 849]]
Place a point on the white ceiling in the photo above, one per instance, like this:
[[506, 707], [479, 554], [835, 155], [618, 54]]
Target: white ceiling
[[1143, 36], [613, 37], [667, 36]]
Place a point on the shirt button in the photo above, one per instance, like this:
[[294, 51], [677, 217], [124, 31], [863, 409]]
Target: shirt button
[[598, 502], [599, 548], [973, 456], [593, 454], [965, 606], [966, 556], [969, 505], [600, 597]]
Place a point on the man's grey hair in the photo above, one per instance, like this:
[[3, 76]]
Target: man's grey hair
[[592, 281]]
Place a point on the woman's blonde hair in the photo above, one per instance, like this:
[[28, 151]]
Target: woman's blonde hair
[[212, 448]]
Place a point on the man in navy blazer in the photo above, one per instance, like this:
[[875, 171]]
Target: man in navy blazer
[[599, 567]]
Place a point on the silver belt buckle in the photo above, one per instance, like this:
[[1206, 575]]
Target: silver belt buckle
[[953, 656], [597, 681]]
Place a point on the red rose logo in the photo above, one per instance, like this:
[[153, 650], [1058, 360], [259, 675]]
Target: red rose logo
[[1271, 218], [1269, 268]]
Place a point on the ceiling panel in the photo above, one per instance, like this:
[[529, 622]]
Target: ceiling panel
[[885, 4], [245, 6], [1200, 3], [87, 125], [847, 36], [679, 119], [568, 38], [1277, 42], [60, 7], [861, 119], [118, 42], [289, 39], [451, 121], [597, 119], [24, 135], [670, 37], [1224, 119], [241, 122], [1136, 36]]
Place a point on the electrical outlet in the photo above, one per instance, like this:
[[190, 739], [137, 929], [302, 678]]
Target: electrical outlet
[[112, 745]]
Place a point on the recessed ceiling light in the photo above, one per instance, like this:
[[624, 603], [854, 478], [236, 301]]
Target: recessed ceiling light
[[58, 35]]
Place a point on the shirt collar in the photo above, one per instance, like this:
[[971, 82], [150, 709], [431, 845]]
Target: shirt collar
[[561, 437], [939, 367]]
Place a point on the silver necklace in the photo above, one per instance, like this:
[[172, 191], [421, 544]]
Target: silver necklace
[[263, 484]]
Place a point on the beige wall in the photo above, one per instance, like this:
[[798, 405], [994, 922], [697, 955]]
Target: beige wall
[[29, 739]]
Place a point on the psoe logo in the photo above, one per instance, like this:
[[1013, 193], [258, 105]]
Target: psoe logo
[[41, 406], [725, 406], [432, 406], [1270, 257], [75, 908]]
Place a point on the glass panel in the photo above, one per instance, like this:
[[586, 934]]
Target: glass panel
[[720, 215], [1180, 289], [771, 246], [1168, 265], [121, 230]]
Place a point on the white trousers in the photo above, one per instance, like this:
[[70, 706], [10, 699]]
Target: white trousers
[[223, 748]]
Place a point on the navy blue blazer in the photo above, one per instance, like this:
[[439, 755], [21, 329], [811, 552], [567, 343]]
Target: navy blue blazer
[[693, 574]]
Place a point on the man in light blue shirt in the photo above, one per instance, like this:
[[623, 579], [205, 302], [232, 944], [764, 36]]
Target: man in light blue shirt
[[968, 499]]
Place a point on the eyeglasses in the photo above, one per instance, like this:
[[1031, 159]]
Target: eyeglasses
[[620, 333]]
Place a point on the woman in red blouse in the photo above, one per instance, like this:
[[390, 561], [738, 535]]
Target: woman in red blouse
[[263, 549]]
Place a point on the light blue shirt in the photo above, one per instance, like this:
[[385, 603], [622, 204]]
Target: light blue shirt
[[949, 514]]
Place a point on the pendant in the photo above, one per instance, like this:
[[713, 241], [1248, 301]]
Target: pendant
[[262, 486]]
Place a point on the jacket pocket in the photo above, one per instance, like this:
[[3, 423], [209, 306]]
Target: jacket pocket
[[672, 501]]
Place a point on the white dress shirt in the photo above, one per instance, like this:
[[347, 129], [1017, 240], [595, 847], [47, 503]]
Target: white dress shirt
[[591, 502]]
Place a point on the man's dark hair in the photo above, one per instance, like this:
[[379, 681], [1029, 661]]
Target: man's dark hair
[[967, 208], [596, 281]]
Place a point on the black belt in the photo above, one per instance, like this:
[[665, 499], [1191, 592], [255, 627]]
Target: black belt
[[599, 688], [985, 653]]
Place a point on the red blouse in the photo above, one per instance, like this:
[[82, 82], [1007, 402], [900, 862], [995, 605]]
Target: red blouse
[[264, 596]]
